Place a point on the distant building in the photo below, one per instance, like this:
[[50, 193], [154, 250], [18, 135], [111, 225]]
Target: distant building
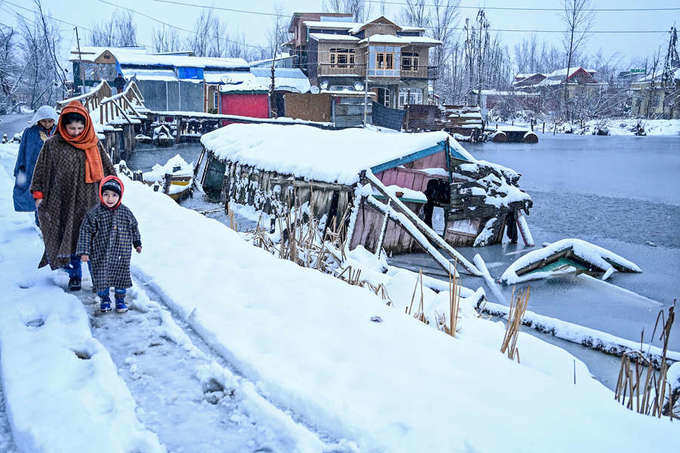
[[179, 81], [654, 97], [579, 81], [338, 54]]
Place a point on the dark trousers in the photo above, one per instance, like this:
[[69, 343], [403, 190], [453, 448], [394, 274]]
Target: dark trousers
[[104, 294], [74, 268]]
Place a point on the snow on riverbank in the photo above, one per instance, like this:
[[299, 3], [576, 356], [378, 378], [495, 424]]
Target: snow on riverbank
[[308, 342], [61, 388]]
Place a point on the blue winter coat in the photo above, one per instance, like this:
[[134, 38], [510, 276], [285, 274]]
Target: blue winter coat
[[30, 147]]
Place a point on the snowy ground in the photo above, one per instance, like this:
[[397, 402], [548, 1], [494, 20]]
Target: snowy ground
[[286, 336], [14, 123], [615, 126]]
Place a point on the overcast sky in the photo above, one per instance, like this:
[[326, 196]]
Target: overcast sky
[[628, 46]]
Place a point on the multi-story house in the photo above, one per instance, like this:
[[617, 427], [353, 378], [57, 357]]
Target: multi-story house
[[338, 54]]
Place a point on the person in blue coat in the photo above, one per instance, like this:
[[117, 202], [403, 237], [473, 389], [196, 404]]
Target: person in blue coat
[[42, 127]]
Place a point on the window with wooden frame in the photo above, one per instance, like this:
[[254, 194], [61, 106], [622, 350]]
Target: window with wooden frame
[[342, 58], [384, 60], [409, 61]]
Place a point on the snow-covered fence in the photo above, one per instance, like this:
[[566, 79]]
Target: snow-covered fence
[[126, 107]]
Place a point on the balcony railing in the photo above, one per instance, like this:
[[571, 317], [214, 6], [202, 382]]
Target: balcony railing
[[327, 69], [421, 72]]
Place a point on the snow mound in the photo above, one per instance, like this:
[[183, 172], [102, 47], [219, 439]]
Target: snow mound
[[175, 165]]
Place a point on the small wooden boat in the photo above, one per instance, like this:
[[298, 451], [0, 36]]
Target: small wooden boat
[[162, 136], [141, 138], [175, 178]]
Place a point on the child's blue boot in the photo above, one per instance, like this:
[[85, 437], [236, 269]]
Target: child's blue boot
[[105, 304], [120, 301]]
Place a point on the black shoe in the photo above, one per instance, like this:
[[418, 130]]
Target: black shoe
[[74, 284]]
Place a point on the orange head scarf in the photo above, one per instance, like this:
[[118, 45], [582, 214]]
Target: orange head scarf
[[86, 141]]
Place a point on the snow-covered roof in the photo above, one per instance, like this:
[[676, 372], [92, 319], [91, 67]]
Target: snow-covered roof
[[286, 79], [528, 75], [91, 53], [141, 59], [246, 84], [403, 40], [358, 27], [411, 29], [563, 72], [140, 56], [332, 37], [316, 154], [330, 24], [227, 76], [165, 75], [267, 61]]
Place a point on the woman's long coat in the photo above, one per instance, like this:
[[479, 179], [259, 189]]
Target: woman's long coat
[[107, 237], [60, 175], [31, 144]]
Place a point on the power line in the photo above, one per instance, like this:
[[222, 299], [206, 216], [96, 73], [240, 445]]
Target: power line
[[510, 30], [518, 8], [47, 15], [191, 32]]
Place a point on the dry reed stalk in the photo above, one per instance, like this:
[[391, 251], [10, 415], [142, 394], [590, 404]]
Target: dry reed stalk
[[518, 306], [649, 396], [454, 302], [413, 296], [232, 221]]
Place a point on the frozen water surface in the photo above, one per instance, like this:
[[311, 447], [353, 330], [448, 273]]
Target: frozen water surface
[[621, 193]]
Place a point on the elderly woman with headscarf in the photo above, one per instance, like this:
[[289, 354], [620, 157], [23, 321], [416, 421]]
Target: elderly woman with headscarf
[[42, 127], [65, 186]]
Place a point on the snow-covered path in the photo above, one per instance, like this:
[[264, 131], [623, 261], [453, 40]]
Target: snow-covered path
[[6, 441], [182, 389]]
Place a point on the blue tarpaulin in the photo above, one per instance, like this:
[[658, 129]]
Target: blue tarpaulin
[[189, 73]]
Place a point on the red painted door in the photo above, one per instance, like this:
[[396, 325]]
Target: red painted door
[[253, 105]]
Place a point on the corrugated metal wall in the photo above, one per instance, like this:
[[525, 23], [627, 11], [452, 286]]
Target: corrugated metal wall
[[169, 96], [387, 117]]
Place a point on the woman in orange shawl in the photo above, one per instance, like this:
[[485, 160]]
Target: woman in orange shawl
[[65, 186]]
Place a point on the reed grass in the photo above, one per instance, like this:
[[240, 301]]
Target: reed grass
[[639, 387], [518, 306]]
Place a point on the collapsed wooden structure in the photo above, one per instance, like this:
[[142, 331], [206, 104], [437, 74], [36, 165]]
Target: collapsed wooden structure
[[381, 187]]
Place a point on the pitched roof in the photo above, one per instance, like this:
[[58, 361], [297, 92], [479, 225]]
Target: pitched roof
[[321, 155], [380, 19]]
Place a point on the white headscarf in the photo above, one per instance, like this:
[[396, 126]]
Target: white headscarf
[[45, 112]]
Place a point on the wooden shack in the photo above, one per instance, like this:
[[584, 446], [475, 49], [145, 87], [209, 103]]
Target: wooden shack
[[383, 185]]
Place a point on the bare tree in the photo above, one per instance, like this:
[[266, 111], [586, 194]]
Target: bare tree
[[165, 39], [119, 31], [10, 70], [43, 82], [359, 9], [415, 13], [577, 18], [443, 19]]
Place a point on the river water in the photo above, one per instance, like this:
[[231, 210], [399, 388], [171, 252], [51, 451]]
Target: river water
[[621, 193]]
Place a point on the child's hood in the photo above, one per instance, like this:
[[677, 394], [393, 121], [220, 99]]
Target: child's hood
[[111, 179]]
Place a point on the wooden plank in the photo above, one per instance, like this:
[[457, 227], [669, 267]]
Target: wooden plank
[[424, 229]]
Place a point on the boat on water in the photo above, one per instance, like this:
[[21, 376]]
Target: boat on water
[[141, 138], [175, 178], [162, 136]]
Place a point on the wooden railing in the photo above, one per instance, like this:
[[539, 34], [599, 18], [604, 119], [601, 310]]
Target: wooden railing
[[127, 106]]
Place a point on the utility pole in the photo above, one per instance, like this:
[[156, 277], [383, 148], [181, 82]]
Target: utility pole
[[368, 54], [80, 64]]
